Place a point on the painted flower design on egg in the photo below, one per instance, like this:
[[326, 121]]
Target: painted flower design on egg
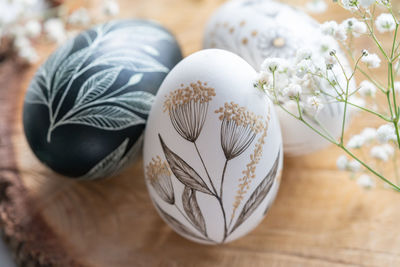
[[277, 42], [187, 108], [97, 80]]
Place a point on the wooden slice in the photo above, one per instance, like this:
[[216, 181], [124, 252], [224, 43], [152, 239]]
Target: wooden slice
[[320, 218]]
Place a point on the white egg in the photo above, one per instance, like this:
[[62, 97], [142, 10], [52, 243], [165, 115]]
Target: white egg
[[260, 29], [212, 149]]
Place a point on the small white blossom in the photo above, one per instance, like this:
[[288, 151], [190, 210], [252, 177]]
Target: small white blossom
[[369, 134], [314, 104], [349, 4], [80, 17], [303, 54], [316, 6], [342, 163], [385, 23], [367, 89], [273, 64], [397, 87], [55, 30], [354, 166], [365, 181], [354, 27], [331, 28], [379, 153], [388, 149], [386, 133], [29, 55], [33, 28], [111, 8], [294, 90], [371, 60], [356, 141], [366, 3]]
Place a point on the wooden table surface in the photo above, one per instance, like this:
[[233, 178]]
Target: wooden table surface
[[320, 217]]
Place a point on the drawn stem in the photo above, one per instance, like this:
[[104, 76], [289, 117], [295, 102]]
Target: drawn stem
[[222, 180], [215, 192], [205, 168], [224, 215]]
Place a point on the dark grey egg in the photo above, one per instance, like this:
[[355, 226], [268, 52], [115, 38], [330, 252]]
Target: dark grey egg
[[87, 105]]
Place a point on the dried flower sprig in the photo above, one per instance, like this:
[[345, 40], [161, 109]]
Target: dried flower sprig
[[301, 87], [239, 128], [159, 176], [188, 107], [23, 22]]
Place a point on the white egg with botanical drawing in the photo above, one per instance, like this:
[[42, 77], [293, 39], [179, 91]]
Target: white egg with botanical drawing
[[212, 148], [261, 29]]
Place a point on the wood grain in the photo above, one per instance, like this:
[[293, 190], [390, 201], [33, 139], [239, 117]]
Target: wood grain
[[320, 217]]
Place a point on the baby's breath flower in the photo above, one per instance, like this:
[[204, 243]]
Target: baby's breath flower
[[366, 3], [273, 64], [316, 6], [331, 28], [386, 133], [354, 27], [380, 153], [371, 60], [349, 4], [294, 90], [354, 166], [367, 89], [397, 87], [342, 163], [80, 17], [111, 8], [385, 23], [356, 141], [28, 54], [365, 181], [55, 30], [369, 134], [314, 104], [303, 54], [33, 28]]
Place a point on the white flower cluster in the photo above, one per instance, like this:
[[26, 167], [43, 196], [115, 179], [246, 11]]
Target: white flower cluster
[[296, 83], [23, 21], [381, 144]]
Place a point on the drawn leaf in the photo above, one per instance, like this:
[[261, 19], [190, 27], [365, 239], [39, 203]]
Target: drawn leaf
[[135, 79], [35, 93], [182, 171], [96, 85], [151, 50], [138, 101], [69, 67], [192, 209], [258, 195], [115, 161], [177, 225], [107, 165], [133, 60], [51, 66], [106, 117]]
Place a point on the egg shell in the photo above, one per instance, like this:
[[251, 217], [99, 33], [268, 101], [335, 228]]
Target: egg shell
[[256, 30], [206, 114], [86, 107]]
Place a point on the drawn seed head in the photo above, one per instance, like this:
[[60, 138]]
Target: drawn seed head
[[187, 108], [238, 129], [159, 176]]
